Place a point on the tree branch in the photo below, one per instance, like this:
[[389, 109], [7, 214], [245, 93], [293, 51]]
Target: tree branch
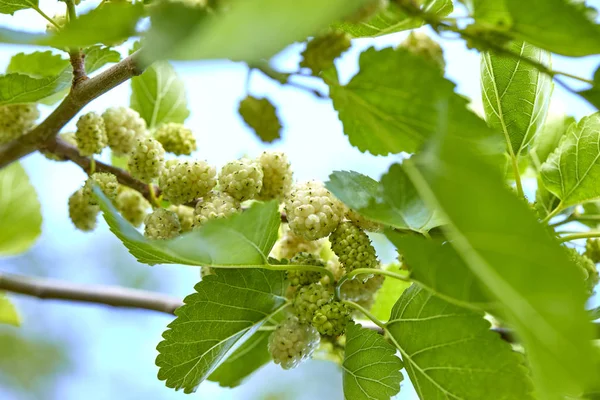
[[44, 288], [63, 149], [78, 98], [78, 63]]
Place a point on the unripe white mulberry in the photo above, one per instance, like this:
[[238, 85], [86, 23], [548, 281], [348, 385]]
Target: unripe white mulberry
[[299, 277], [592, 249], [185, 181], [16, 120], [289, 244], [358, 290], [213, 206], [242, 179], [331, 319], [308, 299], [422, 45], [161, 225], [321, 51], [353, 247], [123, 127], [586, 267], [312, 211], [107, 182], [68, 137], [147, 159], [60, 20], [91, 134], [82, 213], [132, 205], [292, 342], [185, 215], [176, 138], [362, 222], [277, 175]]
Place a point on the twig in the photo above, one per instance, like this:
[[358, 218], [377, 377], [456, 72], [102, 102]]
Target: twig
[[63, 149], [77, 58], [582, 235], [44, 288], [78, 98]]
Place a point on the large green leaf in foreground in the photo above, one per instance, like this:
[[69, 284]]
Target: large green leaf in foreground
[[516, 259], [225, 311]]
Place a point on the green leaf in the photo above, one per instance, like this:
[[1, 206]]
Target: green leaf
[[98, 56], [593, 94], [246, 359], [515, 94], [371, 368], [38, 64], [244, 240], [516, 259], [10, 6], [436, 265], [394, 202], [392, 19], [573, 170], [8, 312], [20, 213], [552, 25], [547, 140], [225, 311], [159, 95], [390, 291], [489, 12], [260, 115], [450, 353], [245, 32], [385, 112], [21, 88], [594, 313], [110, 24], [545, 201]]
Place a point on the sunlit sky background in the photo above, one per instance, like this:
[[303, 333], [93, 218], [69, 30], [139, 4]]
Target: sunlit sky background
[[106, 353]]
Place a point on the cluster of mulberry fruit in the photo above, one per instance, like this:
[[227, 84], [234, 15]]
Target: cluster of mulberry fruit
[[321, 241]]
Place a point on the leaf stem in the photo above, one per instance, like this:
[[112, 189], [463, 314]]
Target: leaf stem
[[553, 213], [43, 14], [92, 165], [582, 235], [576, 218], [568, 75], [367, 314], [153, 198], [71, 10]]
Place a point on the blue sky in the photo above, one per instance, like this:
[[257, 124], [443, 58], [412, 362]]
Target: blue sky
[[114, 350]]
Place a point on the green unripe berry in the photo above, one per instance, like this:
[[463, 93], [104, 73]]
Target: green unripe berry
[[359, 290], [353, 247], [16, 120], [586, 267], [308, 299], [277, 176], [107, 182], [592, 249], [321, 52], [299, 277], [68, 137], [289, 244], [185, 181], [292, 342], [331, 319], [82, 213], [161, 225], [242, 179], [176, 138], [91, 134], [362, 222], [312, 211], [132, 205], [146, 160], [123, 127], [422, 45], [213, 206], [60, 20], [185, 215]]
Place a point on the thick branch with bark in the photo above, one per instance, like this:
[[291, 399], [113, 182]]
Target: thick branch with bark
[[63, 149], [79, 97]]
